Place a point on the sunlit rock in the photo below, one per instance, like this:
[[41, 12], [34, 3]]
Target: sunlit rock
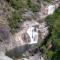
[[4, 57], [31, 32]]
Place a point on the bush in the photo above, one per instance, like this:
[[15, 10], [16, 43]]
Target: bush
[[19, 6], [48, 1], [54, 23], [34, 7], [13, 21]]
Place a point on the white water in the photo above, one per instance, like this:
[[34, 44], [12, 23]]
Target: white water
[[33, 35], [51, 9]]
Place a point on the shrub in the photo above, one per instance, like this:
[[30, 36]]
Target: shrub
[[54, 23], [13, 21], [48, 1], [34, 7]]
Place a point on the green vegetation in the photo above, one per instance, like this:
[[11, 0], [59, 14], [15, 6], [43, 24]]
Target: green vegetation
[[20, 6], [13, 21], [52, 20], [48, 1], [54, 23], [32, 6], [17, 4]]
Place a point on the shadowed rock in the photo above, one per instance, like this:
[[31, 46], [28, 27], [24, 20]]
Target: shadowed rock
[[4, 33], [17, 51]]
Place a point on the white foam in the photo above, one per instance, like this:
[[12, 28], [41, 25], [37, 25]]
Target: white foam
[[33, 35], [51, 9]]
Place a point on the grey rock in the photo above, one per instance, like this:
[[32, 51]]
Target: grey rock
[[4, 57]]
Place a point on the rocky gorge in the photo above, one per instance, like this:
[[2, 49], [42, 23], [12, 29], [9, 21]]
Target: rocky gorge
[[30, 33]]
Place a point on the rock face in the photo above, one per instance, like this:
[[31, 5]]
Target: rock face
[[4, 37], [31, 32], [23, 41], [33, 29], [4, 33]]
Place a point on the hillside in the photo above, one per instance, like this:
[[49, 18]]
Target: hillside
[[29, 30]]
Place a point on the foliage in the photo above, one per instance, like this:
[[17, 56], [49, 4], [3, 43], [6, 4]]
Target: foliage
[[17, 4], [50, 54], [32, 6], [13, 21], [20, 6], [48, 0], [54, 23]]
